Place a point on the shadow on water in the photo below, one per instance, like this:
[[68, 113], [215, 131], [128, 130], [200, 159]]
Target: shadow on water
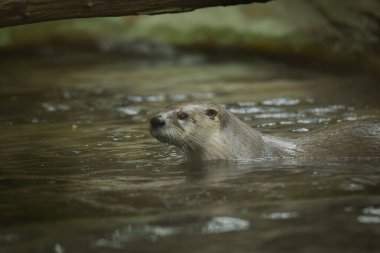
[[80, 172]]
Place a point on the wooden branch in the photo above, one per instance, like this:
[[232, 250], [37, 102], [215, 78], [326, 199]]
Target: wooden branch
[[17, 12]]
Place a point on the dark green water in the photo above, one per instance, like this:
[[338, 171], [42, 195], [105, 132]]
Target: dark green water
[[79, 171]]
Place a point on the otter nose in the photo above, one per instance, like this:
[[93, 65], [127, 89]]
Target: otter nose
[[157, 121]]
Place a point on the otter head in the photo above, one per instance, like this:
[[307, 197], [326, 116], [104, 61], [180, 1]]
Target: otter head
[[195, 127]]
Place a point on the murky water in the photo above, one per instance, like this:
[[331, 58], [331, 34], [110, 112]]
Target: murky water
[[80, 172]]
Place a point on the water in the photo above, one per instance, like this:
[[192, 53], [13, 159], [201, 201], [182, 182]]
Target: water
[[80, 172]]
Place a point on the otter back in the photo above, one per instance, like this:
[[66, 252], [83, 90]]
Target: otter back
[[350, 139]]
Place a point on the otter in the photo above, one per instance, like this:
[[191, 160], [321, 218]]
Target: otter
[[207, 131]]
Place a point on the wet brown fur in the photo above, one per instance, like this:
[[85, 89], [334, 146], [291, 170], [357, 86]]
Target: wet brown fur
[[218, 134]]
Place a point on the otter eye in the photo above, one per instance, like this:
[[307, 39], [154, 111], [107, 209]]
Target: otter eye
[[182, 115], [211, 113]]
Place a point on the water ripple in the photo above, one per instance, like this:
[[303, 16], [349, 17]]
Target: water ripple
[[120, 238]]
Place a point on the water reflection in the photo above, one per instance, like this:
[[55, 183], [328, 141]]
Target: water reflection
[[121, 237], [370, 215]]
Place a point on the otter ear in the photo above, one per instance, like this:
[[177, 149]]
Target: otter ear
[[212, 113]]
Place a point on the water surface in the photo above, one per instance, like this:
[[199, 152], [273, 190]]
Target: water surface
[[80, 172]]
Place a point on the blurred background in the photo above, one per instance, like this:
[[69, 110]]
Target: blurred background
[[339, 31]]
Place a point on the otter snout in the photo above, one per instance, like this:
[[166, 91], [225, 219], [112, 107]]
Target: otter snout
[[157, 121]]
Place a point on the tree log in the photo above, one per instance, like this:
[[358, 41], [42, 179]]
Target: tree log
[[17, 12]]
